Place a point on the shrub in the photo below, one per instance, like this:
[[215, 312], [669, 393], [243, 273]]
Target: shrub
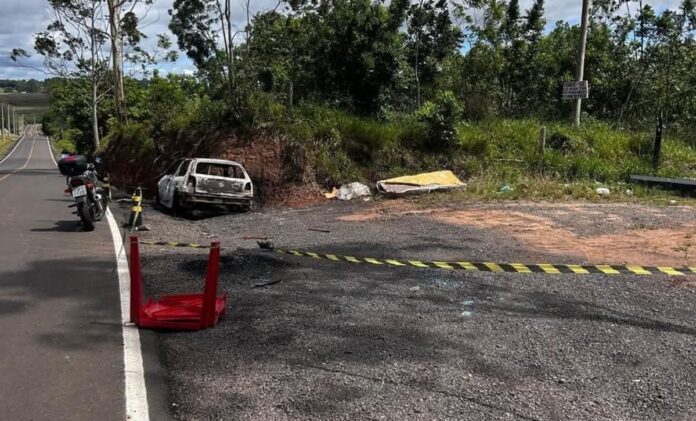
[[440, 117]]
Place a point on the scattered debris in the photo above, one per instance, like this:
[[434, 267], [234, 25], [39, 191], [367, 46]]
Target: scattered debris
[[332, 194], [420, 183], [318, 230], [506, 189], [265, 284], [265, 245], [628, 192], [252, 237], [672, 202], [464, 307], [144, 228], [603, 191], [414, 289], [442, 283], [352, 191]]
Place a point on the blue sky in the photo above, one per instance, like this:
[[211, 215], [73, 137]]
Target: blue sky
[[21, 19]]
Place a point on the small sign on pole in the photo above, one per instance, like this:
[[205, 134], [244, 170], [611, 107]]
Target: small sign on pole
[[576, 90]]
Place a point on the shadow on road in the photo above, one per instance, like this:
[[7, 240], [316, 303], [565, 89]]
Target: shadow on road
[[62, 226]]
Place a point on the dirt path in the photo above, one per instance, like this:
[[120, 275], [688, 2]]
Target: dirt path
[[598, 233]]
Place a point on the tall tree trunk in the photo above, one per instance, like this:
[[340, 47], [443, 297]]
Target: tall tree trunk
[[117, 57], [230, 51], [95, 116]]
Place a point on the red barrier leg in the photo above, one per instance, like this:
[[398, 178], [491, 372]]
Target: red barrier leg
[[210, 291], [136, 281]]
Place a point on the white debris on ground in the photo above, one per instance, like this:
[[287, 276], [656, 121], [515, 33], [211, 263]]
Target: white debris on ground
[[352, 191]]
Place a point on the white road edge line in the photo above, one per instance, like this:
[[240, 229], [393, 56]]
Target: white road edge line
[[15, 147], [50, 151], [25, 164], [136, 393]]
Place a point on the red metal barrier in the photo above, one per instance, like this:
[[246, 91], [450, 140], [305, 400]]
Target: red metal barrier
[[182, 311], [209, 308]]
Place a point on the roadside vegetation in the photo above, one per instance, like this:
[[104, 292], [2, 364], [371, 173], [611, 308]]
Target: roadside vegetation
[[362, 90], [6, 144]]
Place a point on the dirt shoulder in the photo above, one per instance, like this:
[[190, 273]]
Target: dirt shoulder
[[341, 341]]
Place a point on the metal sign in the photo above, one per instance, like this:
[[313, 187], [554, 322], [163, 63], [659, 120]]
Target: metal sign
[[576, 90]]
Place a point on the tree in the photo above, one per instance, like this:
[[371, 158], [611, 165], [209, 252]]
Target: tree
[[124, 33], [203, 29], [73, 48], [431, 38]]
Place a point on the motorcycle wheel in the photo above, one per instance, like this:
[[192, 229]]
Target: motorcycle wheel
[[86, 216]]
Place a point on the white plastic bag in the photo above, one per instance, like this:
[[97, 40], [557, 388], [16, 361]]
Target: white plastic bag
[[352, 191]]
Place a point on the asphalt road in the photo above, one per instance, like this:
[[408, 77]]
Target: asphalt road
[[61, 348], [342, 341]]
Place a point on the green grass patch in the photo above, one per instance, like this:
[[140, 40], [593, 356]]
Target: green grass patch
[[488, 155], [7, 144], [543, 188]]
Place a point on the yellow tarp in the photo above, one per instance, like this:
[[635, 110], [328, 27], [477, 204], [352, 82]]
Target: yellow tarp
[[441, 178]]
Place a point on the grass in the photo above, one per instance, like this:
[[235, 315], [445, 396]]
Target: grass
[[7, 144], [344, 148], [542, 188]]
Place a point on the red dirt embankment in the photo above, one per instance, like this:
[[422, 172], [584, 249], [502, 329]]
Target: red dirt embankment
[[262, 154], [263, 158]]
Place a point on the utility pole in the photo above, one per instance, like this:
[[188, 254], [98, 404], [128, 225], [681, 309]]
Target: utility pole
[[14, 121], [2, 120], [580, 69]]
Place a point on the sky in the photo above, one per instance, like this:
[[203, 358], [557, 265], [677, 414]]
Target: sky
[[20, 20]]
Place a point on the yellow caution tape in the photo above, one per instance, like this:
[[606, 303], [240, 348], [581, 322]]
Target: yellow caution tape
[[497, 267]]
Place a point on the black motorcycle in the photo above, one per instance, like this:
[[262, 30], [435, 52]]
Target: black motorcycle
[[90, 200]]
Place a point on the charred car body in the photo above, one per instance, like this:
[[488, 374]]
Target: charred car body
[[202, 182]]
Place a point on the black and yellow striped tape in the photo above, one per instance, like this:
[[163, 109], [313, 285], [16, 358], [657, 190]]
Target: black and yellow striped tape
[[501, 267], [174, 244], [137, 209]]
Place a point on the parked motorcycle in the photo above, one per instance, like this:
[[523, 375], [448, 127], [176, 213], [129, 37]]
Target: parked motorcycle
[[90, 200]]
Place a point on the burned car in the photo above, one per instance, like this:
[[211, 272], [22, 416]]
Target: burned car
[[202, 182]]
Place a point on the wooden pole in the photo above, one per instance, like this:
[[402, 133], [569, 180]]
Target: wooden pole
[[580, 67], [657, 147]]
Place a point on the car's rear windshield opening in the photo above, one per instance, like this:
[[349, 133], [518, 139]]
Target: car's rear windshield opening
[[219, 170]]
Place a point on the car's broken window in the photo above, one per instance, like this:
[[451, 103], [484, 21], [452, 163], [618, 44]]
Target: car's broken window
[[219, 170], [184, 167]]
